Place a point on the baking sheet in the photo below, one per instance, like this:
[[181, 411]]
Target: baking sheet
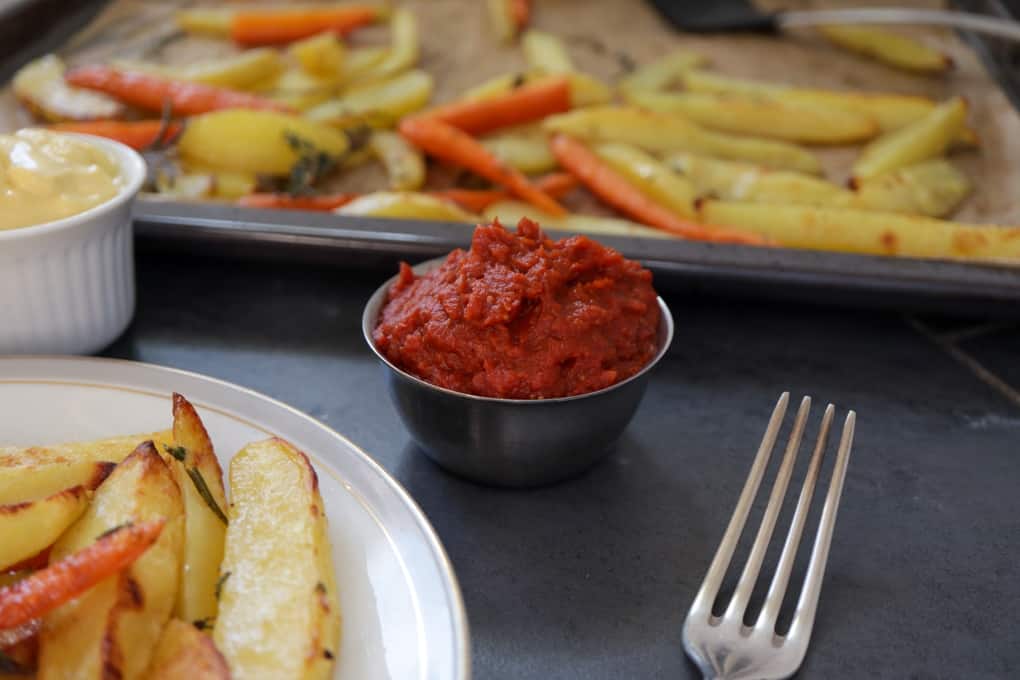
[[458, 50]]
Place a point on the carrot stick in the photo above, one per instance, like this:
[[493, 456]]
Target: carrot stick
[[275, 27], [49, 588], [521, 12], [557, 185], [138, 134], [615, 190], [322, 203], [149, 92], [527, 103], [447, 143]]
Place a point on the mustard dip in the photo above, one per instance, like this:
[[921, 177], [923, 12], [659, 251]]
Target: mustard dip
[[46, 176]]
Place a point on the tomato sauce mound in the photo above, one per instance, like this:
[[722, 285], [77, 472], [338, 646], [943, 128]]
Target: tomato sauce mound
[[519, 316]]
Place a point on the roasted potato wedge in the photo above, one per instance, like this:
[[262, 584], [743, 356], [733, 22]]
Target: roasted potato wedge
[[926, 138], [661, 73], [887, 47], [545, 53], [585, 90], [501, 20], [278, 576], [243, 71], [861, 231], [226, 184], [933, 188], [186, 653], [197, 473], [732, 180], [663, 132], [40, 86], [511, 212], [525, 149], [299, 89], [27, 474], [321, 55], [762, 116], [214, 23], [378, 104], [405, 164], [222, 140], [651, 177], [361, 60], [407, 205], [112, 629], [402, 54], [32, 526]]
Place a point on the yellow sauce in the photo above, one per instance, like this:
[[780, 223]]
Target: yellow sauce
[[46, 176]]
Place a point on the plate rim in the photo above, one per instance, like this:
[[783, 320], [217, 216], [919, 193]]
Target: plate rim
[[459, 620]]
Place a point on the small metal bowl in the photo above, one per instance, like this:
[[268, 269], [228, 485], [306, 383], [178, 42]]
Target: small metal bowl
[[512, 442]]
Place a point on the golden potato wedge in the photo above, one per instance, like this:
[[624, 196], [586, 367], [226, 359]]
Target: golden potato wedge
[[214, 23], [112, 629], [511, 212], [34, 472], [226, 184], [278, 576], [651, 177], [861, 231], [222, 139], [501, 20], [32, 526], [661, 73], [545, 53], [923, 139], [299, 89], [186, 653], [887, 47], [732, 180], [361, 60], [197, 473], [663, 132], [184, 186], [404, 163], [378, 104], [242, 71], [406, 205], [40, 86], [933, 188], [524, 148], [585, 90], [762, 116], [321, 55], [402, 54]]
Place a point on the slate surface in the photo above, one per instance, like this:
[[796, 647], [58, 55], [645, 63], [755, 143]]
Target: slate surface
[[591, 578]]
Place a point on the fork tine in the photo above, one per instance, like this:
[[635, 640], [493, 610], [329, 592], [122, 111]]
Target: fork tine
[[717, 569], [748, 577], [804, 615], [777, 589]]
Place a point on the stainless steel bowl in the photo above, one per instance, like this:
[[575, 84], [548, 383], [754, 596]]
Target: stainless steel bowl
[[512, 442]]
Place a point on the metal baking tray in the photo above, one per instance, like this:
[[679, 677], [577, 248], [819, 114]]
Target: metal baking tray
[[820, 277]]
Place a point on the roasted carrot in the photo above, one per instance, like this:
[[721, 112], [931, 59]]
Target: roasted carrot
[[524, 104], [615, 190], [447, 143], [275, 27], [150, 92], [557, 185], [138, 134], [521, 11], [49, 588], [322, 203]]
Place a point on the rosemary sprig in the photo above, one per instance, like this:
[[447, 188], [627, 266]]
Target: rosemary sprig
[[113, 530], [206, 623], [9, 666], [219, 583], [178, 452], [203, 490], [313, 164]]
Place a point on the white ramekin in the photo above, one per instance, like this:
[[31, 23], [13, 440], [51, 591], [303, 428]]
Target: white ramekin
[[68, 286]]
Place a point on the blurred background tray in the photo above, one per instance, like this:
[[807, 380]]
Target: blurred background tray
[[94, 30]]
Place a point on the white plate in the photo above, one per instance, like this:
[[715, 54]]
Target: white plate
[[403, 616]]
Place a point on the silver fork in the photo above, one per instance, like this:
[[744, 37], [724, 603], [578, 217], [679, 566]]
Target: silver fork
[[722, 646]]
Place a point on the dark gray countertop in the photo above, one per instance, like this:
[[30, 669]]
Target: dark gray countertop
[[591, 578]]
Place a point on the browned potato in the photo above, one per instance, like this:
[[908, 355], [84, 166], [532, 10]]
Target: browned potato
[[40, 86], [30, 527], [186, 653]]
